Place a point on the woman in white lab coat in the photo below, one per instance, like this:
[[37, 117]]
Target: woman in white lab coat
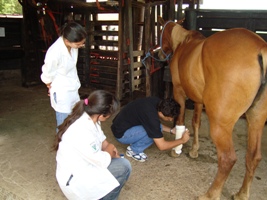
[[88, 166], [59, 71]]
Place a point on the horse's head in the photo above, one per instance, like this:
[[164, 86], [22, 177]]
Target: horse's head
[[165, 39], [172, 36], [167, 43]]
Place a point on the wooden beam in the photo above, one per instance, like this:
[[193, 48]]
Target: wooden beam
[[147, 38]]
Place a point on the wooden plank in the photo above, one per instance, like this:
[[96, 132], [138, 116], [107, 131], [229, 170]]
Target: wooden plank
[[105, 43], [102, 81], [103, 22], [223, 23], [138, 53], [264, 36], [99, 75], [104, 33], [139, 81], [209, 20], [106, 69], [261, 25], [113, 63], [102, 87], [105, 53], [137, 64], [139, 73], [231, 13]]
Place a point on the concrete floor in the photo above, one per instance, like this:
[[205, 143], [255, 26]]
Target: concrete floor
[[27, 165]]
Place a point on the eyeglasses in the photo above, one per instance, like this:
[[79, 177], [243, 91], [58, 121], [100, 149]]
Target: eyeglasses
[[78, 44]]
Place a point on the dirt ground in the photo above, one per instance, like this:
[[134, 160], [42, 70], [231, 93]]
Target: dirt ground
[[27, 166]]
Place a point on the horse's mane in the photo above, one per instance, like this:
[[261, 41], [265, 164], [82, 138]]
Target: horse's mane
[[195, 35], [179, 35]]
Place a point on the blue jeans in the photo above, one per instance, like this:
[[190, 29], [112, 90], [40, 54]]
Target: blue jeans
[[121, 169], [137, 138], [60, 117]]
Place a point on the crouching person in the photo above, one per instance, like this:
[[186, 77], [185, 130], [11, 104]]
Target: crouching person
[[138, 124], [88, 166]]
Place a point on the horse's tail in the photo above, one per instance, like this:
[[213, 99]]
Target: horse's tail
[[262, 59]]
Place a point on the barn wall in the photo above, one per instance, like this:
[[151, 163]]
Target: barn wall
[[11, 50], [209, 22]]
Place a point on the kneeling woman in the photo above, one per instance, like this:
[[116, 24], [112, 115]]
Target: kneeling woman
[[88, 166]]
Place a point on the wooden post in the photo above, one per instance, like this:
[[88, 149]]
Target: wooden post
[[121, 51], [147, 38], [87, 49], [191, 18], [171, 10], [180, 10], [129, 41]]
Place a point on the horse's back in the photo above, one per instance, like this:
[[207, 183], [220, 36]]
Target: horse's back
[[233, 53], [237, 41], [232, 69]]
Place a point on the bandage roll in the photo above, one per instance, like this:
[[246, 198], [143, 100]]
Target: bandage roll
[[179, 133]]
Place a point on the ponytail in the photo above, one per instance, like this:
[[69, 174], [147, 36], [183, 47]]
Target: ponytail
[[99, 102]]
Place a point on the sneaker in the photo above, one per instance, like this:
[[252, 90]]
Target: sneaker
[[141, 157]]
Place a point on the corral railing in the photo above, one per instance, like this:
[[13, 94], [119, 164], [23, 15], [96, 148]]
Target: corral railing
[[212, 21]]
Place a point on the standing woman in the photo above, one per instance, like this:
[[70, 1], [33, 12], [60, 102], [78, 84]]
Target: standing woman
[[88, 166], [59, 71]]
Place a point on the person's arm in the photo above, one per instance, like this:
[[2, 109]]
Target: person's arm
[[110, 148], [162, 144], [48, 85], [49, 68], [168, 129]]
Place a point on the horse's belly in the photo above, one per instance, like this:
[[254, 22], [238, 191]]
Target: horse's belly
[[192, 75], [194, 94]]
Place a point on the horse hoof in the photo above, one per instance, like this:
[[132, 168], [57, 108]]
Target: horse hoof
[[207, 198], [193, 154], [174, 154], [239, 197]]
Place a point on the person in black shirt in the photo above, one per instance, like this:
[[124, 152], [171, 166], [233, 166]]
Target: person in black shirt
[[138, 124]]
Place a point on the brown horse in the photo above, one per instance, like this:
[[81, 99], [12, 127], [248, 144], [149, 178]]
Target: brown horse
[[226, 73]]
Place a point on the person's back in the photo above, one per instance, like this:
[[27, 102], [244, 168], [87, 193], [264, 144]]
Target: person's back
[[88, 166], [141, 111]]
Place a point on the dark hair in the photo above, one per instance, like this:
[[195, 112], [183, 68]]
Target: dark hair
[[169, 107], [99, 102], [73, 32]]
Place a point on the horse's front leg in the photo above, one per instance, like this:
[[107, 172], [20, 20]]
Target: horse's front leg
[[180, 98], [196, 122]]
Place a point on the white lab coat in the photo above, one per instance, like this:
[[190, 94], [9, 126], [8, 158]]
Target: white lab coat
[[60, 69], [80, 155]]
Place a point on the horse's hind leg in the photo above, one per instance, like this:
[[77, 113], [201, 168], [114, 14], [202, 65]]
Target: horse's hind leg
[[256, 117], [196, 121], [222, 138]]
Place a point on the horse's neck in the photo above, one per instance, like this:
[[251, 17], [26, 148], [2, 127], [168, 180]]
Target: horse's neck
[[178, 35]]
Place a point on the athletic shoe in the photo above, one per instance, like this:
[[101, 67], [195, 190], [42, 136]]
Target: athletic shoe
[[141, 157]]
